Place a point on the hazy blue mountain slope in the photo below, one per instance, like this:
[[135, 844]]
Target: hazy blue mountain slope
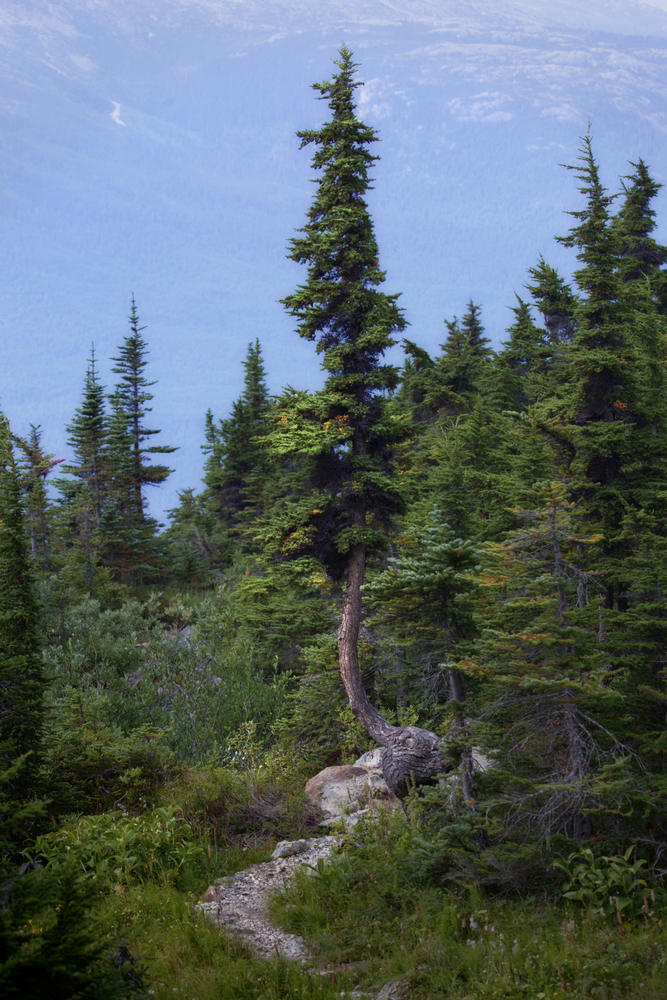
[[149, 148]]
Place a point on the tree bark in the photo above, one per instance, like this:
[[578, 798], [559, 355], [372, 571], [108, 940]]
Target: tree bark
[[410, 755], [579, 825], [559, 567]]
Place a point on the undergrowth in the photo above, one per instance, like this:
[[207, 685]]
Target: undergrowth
[[374, 911], [190, 958]]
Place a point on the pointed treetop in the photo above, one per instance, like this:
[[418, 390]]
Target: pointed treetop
[[554, 299], [641, 256], [593, 239], [339, 305]]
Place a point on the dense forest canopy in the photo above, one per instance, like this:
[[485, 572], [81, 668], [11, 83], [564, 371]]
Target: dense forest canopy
[[462, 560]]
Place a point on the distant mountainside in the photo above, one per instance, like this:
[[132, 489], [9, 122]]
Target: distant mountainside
[[150, 148]]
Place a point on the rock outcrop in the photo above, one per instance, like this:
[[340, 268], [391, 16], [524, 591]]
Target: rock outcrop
[[350, 791]]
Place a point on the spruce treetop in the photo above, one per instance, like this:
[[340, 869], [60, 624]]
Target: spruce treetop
[[641, 256], [595, 243], [339, 304], [130, 399], [554, 299]]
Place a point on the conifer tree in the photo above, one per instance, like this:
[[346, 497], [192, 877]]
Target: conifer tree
[[615, 405], [449, 383], [192, 539], [341, 432], [463, 351], [126, 532], [21, 679], [234, 445], [541, 663], [555, 300], [82, 497], [611, 410], [87, 437], [424, 597], [35, 466], [518, 374], [132, 397], [640, 255]]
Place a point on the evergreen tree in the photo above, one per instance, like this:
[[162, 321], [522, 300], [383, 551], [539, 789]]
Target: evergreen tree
[[87, 437], [424, 598], [127, 533], [199, 544], [21, 679], [449, 383], [463, 351], [539, 656], [468, 476], [35, 466], [610, 412], [132, 397], [555, 300], [518, 375], [615, 404], [234, 446], [342, 434], [82, 497], [640, 256]]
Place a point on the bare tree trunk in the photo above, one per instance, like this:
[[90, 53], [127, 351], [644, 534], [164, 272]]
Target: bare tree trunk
[[410, 755], [559, 567], [401, 685], [576, 769], [89, 560], [459, 729], [582, 596]]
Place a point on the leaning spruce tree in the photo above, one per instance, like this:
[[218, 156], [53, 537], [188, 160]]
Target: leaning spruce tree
[[353, 323]]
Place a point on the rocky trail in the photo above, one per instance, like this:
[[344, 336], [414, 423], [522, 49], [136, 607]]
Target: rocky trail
[[239, 903]]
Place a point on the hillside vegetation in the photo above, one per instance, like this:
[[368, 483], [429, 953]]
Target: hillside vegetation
[[463, 560]]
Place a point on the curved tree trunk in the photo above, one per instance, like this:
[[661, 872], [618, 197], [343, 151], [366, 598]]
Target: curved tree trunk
[[409, 755]]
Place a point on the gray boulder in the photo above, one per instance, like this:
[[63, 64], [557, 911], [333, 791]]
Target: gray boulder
[[350, 791]]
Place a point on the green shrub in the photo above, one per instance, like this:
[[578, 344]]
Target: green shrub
[[90, 765], [607, 887], [50, 947], [114, 848], [249, 808], [17, 817]]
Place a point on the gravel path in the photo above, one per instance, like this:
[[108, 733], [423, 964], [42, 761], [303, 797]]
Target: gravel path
[[238, 903]]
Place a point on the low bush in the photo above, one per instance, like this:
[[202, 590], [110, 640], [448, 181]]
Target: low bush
[[114, 848], [52, 947], [248, 807], [375, 911], [90, 765], [608, 888]]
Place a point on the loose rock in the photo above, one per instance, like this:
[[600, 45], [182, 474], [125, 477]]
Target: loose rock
[[396, 989], [238, 903], [287, 848]]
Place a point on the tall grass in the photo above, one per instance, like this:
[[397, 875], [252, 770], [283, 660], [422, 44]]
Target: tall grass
[[190, 958], [373, 911]]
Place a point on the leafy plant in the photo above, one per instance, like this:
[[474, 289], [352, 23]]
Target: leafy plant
[[91, 765], [607, 886], [332, 874], [113, 848]]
